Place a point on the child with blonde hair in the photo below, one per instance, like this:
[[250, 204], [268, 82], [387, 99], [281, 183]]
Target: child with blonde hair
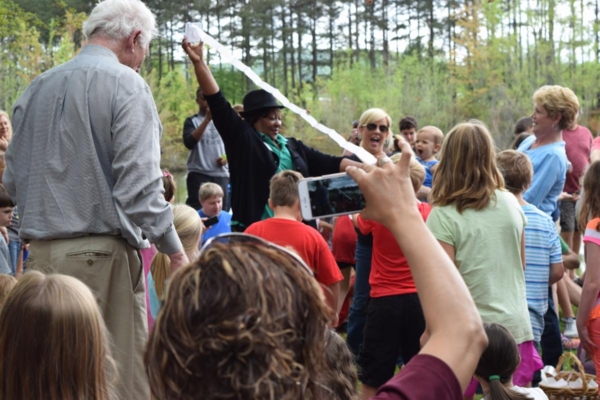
[[211, 199], [148, 253], [7, 283], [428, 143], [188, 226], [480, 225], [53, 342]]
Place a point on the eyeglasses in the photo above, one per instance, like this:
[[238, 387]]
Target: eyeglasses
[[382, 128], [237, 237]]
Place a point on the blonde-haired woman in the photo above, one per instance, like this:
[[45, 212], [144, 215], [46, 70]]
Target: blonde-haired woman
[[374, 126], [480, 225], [555, 109], [53, 342], [188, 226]]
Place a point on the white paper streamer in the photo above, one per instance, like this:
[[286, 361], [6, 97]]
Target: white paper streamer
[[227, 56]]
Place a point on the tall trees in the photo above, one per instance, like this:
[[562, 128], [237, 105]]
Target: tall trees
[[442, 60]]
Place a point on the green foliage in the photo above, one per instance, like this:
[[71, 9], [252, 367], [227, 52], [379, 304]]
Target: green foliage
[[175, 101], [440, 61], [231, 82]]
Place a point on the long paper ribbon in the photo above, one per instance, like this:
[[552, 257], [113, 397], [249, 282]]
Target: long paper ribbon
[[228, 57]]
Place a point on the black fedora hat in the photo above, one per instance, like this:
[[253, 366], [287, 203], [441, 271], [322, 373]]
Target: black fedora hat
[[257, 100]]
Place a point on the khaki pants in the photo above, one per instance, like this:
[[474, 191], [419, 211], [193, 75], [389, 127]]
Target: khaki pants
[[112, 269]]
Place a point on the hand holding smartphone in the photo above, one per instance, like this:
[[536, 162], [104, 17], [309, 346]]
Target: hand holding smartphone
[[211, 221], [329, 195]]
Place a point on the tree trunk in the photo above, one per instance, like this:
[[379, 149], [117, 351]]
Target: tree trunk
[[356, 30], [292, 52], [171, 47], [350, 49], [313, 32], [299, 37], [431, 21], [284, 50], [597, 32], [384, 28]]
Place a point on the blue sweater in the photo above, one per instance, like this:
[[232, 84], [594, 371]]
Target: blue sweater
[[223, 226], [549, 174]]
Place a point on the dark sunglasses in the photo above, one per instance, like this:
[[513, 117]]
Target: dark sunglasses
[[238, 237], [382, 128]]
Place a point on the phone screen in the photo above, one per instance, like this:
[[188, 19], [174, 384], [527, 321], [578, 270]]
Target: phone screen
[[211, 221], [336, 195]]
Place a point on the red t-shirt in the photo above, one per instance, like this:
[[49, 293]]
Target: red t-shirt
[[578, 144], [305, 240], [424, 377], [344, 240], [390, 274]]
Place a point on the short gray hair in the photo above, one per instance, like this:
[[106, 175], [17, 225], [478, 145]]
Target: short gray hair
[[117, 19]]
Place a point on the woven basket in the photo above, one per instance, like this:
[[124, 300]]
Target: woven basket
[[584, 393]]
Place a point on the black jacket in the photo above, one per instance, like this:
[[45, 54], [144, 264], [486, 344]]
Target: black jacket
[[252, 163]]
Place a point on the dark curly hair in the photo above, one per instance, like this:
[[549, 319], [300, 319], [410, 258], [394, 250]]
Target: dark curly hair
[[344, 374], [244, 321]]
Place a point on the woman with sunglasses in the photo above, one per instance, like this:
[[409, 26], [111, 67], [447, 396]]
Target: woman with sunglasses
[[374, 128], [255, 148], [247, 320]]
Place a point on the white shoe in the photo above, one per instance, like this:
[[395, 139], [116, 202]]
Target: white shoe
[[570, 328]]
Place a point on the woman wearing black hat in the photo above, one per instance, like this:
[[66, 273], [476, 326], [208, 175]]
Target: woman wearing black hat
[[255, 149]]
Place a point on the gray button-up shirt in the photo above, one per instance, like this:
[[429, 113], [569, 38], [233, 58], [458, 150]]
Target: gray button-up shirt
[[85, 155]]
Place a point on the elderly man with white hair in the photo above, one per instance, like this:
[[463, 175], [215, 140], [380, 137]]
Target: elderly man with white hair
[[84, 169]]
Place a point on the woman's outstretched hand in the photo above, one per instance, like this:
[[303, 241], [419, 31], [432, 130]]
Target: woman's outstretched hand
[[194, 52]]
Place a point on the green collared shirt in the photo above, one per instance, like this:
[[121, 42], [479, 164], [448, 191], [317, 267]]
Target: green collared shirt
[[285, 161]]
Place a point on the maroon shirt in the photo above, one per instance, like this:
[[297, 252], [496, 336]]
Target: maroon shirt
[[424, 377], [578, 144]]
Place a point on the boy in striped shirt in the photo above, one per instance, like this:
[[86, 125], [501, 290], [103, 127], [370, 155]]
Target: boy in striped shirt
[[543, 256]]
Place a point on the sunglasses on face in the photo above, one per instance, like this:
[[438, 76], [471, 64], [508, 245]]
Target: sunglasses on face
[[237, 237], [382, 128]]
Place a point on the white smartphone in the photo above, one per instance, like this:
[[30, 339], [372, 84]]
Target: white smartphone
[[329, 195]]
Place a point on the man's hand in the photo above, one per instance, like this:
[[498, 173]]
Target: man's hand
[[178, 259], [194, 52], [564, 196], [222, 161]]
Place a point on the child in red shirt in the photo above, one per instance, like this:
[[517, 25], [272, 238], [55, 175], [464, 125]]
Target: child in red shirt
[[287, 230], [395, 320]]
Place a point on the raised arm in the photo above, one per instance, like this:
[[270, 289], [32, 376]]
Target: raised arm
[[457, 335], [207, 82], [233, 130]]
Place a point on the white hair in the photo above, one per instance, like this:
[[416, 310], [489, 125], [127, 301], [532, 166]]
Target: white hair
[[117, 19]]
